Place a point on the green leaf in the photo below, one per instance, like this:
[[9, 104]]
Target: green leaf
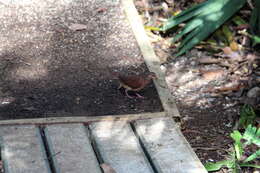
[[183, 16], [256, 39], [238, 20], [255, 23], [236, 136], [249, 165], [218, 165], [152, 28], [255, 19], [252, 135], [253, 156], [205, 18], [228, 33], [188, 28]]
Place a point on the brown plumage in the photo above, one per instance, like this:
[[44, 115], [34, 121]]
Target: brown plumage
[[134, 82]]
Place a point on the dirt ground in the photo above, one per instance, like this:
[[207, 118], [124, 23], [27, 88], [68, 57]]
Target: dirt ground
[[49, 69], [208, 116], [51, 66]]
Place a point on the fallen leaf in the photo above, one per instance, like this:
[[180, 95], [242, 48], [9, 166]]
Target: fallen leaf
[[207, 60], [234, 46], [227, 50], [227, 88], [107, 168], [242, 26], [233, 55], [212, 74], [77, 27]]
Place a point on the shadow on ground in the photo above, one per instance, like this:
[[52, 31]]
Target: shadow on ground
[[47, 69]]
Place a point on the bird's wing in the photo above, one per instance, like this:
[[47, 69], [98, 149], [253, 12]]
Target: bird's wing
[[132, 82]]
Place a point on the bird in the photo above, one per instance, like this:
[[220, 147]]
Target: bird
[[134, 82]]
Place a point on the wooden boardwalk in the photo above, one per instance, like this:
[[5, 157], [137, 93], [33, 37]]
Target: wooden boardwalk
[[140, 143], [129, 145]]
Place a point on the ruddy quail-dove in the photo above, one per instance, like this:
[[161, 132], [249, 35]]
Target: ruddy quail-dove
[[134, 82]]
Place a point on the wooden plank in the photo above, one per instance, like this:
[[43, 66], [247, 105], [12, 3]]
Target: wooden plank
[[71, 149], [152, 61], [81, 119], [119, 147], [167, 147], [22, 150]]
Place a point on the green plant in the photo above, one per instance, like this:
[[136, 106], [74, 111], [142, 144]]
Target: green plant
[[237, 158], [203, 19], [255, 24], [247, 116]]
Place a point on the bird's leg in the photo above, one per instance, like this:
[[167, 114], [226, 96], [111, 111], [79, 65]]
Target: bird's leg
[[139, 96], [126, 93]]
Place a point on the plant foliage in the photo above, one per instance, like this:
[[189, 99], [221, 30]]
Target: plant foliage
[[202, 20], [255, 23], [236, 161], [247, 116]]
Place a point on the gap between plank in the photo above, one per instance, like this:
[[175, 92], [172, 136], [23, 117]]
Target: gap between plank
[[94, 146], [147, 155], [49, 156], [1, 161]]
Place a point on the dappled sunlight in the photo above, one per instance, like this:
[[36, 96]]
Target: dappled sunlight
[[52, 68], [156, 129], [31, 72], [187, 84], [112, 129], [42, 3], [6, 101], [7, 153], [11, 156]]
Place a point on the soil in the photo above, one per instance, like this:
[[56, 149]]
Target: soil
[[208, 117], [207, 121], [48, 68]]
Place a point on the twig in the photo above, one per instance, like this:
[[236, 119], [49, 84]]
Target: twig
[[205, 148], [208, 148]]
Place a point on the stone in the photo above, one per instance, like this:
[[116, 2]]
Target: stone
[[254, 92]]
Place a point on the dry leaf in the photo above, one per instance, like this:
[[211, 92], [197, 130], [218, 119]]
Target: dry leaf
[[234, 56], [227, 50], [227, 88], [107, 168], [209, 60], [242, 26], [230, 88], [234, 46], [212, 74], [77, 27]]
